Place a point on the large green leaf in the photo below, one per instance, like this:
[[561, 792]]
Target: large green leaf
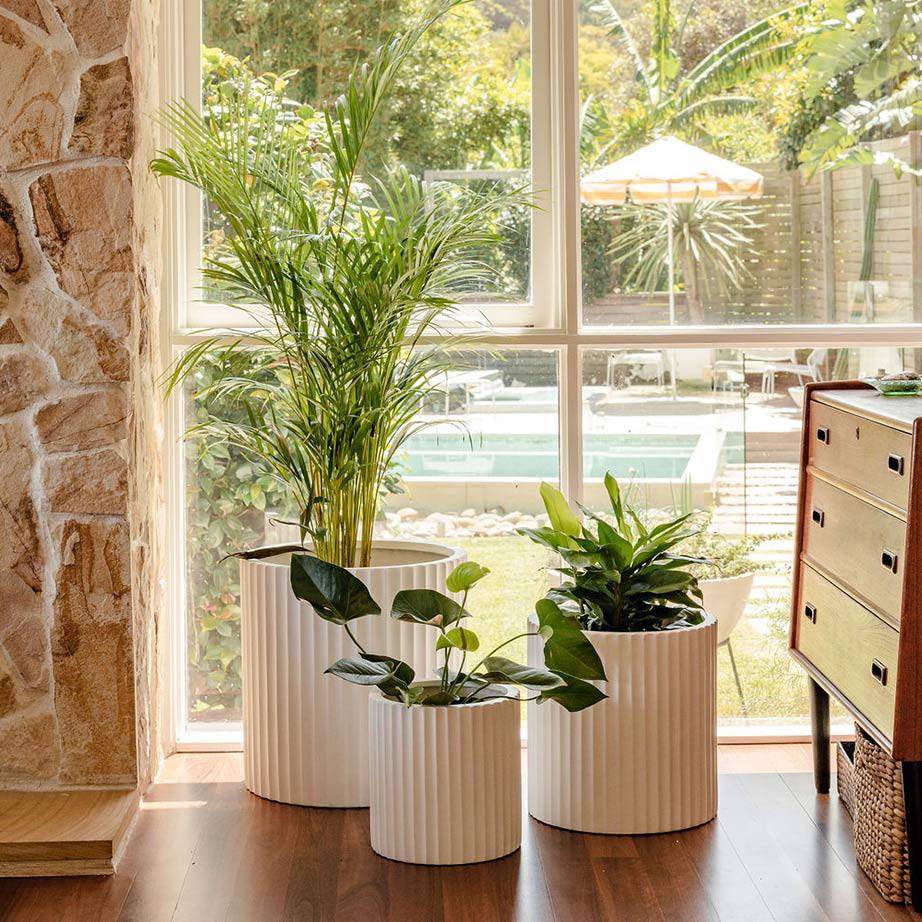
[[562, 517], [334, 593], [566, 647], [464, 576], [460, 638], [574, 694], [500, 669], [366, 671], [426, 606]]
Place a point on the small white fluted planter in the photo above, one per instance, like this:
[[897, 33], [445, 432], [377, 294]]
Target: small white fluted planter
[[305, 734], [645, 759], [446, 782]]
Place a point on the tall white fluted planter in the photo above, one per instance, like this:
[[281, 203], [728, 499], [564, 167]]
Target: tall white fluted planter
[[645, 759], [305, 733], [445, 781]]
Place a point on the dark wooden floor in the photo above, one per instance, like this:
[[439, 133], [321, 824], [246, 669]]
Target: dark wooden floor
[[206, 850]]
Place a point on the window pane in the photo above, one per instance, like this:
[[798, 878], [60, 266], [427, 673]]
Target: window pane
[[832, 248], [473, 479], [459, 113], [725, 444]]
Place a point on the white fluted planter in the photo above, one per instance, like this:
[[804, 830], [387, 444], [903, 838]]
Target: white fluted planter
[[445, 781], [645, 759], [305, 733]]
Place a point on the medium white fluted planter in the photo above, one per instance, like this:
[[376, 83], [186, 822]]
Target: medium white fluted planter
[[305, 733], [445, 781], [726, 598], [645, 759]]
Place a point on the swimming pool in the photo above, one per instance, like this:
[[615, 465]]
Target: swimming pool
[[454, 456]]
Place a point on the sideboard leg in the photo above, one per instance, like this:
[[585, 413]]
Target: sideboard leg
[[912, 795], [819, 726]]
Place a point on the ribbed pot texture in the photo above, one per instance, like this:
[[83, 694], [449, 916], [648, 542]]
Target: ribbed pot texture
[[305, 733], [645, 759], [446, 784]]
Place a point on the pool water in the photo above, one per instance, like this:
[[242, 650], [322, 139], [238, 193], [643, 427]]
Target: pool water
[[454, 456]]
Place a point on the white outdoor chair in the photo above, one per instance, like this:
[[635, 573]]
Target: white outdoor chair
[[809, 369]]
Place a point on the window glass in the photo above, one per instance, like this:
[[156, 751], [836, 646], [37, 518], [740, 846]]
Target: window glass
[[724, 445], [831, 248]]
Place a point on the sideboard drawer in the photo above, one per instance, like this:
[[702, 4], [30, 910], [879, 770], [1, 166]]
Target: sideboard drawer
[[858, 543], [852, 647], [867, 454]]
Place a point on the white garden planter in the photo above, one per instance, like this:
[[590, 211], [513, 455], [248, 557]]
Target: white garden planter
[[306, 733], [445, 781], [645, 759], [726, 599]]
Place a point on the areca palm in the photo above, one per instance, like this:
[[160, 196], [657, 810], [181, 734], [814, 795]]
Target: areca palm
[[676, 101], [344, 277]]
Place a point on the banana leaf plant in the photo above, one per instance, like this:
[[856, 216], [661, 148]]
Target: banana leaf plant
[[619, 575], [337, 596]]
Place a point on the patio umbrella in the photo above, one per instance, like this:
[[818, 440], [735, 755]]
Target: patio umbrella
[[668, 171]]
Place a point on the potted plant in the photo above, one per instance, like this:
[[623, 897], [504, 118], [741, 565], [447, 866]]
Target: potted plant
[[645, 759], [445, 752], [343, 279]]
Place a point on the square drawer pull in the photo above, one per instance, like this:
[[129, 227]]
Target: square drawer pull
[[822, 434], [895, 464], [810, 612], [879, 671], [819, 517], [889, 560]]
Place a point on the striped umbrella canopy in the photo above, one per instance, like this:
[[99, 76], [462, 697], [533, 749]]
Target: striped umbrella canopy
[[669, 170]]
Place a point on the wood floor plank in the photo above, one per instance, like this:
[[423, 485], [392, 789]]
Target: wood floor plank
[[833, 822], [210, 851], [729, 886], [781, 887], [782, 817]]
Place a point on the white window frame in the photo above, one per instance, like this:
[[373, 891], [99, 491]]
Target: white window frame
[[555, 314]]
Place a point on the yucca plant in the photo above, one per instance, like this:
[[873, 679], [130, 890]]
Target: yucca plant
[[344, 279], [620, 575], [713, 240]]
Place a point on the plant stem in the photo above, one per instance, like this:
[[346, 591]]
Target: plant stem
[[353, 639], [505, 643]]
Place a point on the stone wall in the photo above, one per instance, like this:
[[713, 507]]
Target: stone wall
[[79, 482]]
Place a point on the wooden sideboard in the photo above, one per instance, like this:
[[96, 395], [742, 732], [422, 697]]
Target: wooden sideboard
[[856, 615]]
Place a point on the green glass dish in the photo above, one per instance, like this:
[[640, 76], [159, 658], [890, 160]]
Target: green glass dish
[[897, 388]]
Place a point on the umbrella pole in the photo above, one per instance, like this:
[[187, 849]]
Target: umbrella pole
[[671, 248]]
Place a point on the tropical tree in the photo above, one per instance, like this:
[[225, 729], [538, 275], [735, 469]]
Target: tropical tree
[[677, 100], [876, 45]]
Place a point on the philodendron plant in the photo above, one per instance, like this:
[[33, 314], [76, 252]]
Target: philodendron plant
[[571, 662], [619, 575]]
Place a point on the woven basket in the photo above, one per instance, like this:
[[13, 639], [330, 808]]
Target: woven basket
[[880, 820], [845, 775]]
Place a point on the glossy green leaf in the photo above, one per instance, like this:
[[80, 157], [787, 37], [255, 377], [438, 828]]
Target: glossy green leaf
[[567, 648], [562, 517], [574, 695], [465, 575], [334, 593], [500, 669], [426, 606], [460, 638]]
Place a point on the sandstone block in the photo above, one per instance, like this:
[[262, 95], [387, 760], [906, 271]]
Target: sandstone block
[[85, 421], [87, 483], [104, 122], [83, 218], [23, 379], [97, 26], [92, 654], [31, 115], [28, 745]]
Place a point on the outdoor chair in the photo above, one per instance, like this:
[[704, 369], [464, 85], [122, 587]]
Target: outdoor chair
[[811, 369]]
